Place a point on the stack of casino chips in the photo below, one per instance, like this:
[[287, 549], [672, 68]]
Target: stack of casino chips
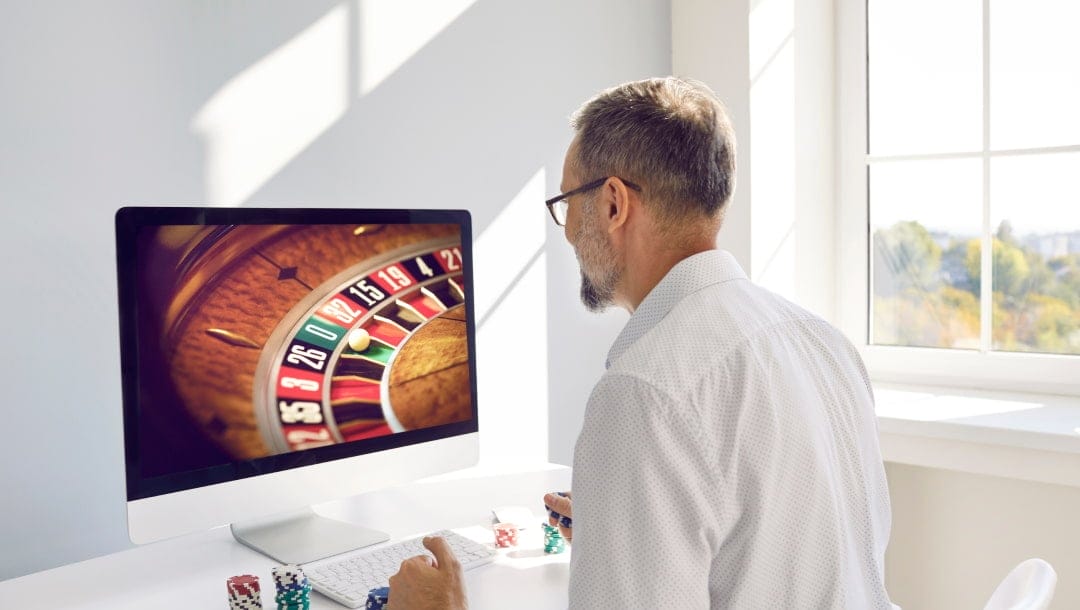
[[293, 588], [506, 535], [244, 592], [377, 598], [553, 540]]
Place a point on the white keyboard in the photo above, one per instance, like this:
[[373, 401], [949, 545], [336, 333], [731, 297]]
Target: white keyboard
[[347, 579]]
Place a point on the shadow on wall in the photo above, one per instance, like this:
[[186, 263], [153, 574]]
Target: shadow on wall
[[431, 105], [426, 98]]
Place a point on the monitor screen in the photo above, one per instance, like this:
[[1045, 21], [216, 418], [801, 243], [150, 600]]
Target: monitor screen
[[260, 340]]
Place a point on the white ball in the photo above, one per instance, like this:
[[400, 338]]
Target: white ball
[[359, 339]]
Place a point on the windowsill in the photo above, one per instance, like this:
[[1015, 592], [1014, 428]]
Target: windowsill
[[1025, 436]]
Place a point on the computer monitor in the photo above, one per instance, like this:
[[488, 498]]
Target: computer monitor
[[274, 359]]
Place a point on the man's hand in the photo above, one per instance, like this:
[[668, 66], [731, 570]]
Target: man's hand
[[421, 584], [561, 505]]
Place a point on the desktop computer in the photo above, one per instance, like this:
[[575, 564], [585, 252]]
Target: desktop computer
[[274, 359]]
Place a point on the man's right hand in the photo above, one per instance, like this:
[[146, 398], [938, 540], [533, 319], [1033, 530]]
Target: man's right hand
[[423, 584], [562, 506]]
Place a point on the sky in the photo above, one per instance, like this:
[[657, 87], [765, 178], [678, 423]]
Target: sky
[[926, 97]]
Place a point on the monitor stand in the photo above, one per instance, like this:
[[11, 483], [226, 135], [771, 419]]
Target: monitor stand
[[303, 536]]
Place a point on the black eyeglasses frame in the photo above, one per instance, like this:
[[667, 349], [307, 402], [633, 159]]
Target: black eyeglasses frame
[[588, 186]]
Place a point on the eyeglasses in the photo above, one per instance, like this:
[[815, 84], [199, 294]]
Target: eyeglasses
[[558, 204]]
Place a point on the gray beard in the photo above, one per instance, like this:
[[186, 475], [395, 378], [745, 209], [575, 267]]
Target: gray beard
[[595, 299], [597, 292], [595, 259]]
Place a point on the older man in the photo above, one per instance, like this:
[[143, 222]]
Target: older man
[[729, 454]]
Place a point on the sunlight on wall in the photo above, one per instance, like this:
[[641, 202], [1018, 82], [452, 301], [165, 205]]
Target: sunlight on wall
[[928, 406], [772, 24], [512, 334], [392, 31], [269, 113], [772, 157], [505, 248], [512, 384]]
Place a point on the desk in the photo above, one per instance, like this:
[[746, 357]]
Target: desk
[[190, 571]]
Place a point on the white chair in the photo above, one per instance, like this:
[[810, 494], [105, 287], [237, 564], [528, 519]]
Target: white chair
[[1029, 586]]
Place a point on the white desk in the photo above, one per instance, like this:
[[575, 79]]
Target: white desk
[[190, 572]]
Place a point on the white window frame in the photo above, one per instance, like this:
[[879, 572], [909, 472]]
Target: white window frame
[[1017, 372]]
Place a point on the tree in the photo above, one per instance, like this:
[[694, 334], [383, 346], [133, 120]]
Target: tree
[[954, 271], [1066, 285], [1006, 233], [1011, 270], [1040, 278], [1042, 323]]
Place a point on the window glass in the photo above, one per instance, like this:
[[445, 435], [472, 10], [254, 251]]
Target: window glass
[[1034, 73], [925, 80], [1035, 203], [925, 222]]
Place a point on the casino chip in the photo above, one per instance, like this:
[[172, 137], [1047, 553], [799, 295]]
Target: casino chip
[[506, 535], [293, 588], [378, 598], [244, 592], [554, 543]]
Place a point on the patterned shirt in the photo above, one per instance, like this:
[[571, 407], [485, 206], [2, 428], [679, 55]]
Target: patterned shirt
[[728, 457]]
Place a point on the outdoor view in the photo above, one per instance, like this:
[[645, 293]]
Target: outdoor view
[[926, 287], [974, 141]]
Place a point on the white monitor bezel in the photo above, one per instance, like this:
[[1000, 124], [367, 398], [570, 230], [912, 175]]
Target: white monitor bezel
[[193, 510]]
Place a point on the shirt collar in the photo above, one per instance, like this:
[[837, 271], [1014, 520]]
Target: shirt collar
[[687, 277]]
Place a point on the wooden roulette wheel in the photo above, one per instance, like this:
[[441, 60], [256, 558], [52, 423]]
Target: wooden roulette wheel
[[277, 338]]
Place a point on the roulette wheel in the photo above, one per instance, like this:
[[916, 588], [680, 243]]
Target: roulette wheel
[[276, 338]]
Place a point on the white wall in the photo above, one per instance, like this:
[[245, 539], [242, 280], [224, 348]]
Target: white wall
[[447, 103], [956, 535], [771, 61], [711, 43]]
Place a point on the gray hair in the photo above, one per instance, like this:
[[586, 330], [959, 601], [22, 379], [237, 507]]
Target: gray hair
[[670, 135]]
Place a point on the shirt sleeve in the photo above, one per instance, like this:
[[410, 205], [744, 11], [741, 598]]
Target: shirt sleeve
[[643, 503]]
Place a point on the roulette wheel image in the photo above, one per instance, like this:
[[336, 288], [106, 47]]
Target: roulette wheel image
[[269, 339]]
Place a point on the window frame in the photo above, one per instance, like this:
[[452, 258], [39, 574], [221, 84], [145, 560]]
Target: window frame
[[1002, 371]]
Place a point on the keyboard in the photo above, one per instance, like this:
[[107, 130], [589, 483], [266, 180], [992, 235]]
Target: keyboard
[[347, 578]]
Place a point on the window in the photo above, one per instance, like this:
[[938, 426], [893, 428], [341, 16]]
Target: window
[[960, 161]]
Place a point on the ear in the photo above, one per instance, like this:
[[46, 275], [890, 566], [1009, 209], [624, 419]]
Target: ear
[[619, 204]]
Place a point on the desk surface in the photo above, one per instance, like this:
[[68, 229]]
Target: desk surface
[[190, 572]]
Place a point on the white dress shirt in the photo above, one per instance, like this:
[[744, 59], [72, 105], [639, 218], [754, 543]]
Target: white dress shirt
[[729, 457]]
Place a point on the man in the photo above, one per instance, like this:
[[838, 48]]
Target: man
[[729, 454]]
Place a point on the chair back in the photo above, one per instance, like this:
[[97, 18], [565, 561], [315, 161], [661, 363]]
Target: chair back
[[1029, 586]]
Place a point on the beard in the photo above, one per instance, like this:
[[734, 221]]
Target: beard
[[599, 270]]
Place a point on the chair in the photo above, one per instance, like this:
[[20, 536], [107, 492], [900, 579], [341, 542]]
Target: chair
[[1029, 586]]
